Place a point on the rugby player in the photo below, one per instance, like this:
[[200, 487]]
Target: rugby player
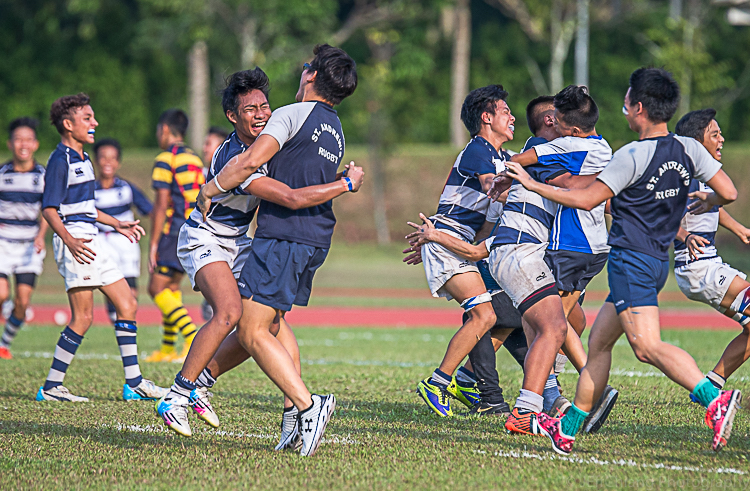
[[214, 249], [21, 233], [116, 197], [82, 258], [303, 145], [648, 182], [176, 178], [700, 272]]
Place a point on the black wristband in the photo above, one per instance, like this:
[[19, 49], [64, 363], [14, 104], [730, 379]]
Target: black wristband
[[686, 238]]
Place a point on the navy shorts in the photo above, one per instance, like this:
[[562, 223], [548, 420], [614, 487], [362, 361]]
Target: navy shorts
[[167, 263], [574, 270], [635, 278], [279, 273]]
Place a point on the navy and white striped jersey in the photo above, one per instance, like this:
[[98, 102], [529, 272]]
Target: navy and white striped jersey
[[20, 202], [577, 230], [118, 201], [650, 180], [231, 212], [463, 205], [705, 225], [69, 187], [527, 217]]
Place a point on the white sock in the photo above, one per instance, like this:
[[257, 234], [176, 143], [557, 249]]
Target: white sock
[[560, 361], [530, 400]]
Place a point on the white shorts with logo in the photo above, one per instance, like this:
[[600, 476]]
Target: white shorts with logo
[[102, 271], [197, 247], [18, 257], [706, 280], [520, 269], [440, 265], [126, 254]]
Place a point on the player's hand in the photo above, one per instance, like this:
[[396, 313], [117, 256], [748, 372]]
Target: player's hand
[[39, 244], [514, 170], [81, 253], [415, 255], [203, 203], [356, 174], [744, 235], [424, 232], [152, 257], [499, 185], [131, 230], [694, 243], [702, 203]]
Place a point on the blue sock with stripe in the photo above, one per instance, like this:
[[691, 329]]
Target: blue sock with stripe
[[182, 385], [551, 392], [126, 335], [65, 350], [441, 378], [12, 326]]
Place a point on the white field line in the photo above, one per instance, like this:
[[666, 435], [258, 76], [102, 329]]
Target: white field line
[[618, 462], [343, 440], [618, 372]]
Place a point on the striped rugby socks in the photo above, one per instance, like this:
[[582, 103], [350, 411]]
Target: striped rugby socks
[[12, 326], [126, 341], [65, 350]]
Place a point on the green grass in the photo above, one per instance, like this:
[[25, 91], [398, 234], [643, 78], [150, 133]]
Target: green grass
[[383, 437]]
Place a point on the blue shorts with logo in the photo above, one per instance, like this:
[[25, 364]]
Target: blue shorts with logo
[[635, 278], [279, 273]]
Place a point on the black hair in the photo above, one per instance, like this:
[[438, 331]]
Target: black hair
[[22, 122], [107, 142], [534, 112], [64, 107], [336, 76], [218, 131], [176, 120], [577, 107], [657, 90], [478, 102], [694, 123], [241, 83]]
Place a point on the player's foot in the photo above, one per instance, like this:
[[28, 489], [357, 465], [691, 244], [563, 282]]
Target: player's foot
[[161, 356], [468, 394], [173, 410], [291, 438], [523, 421], [5, 353], [559, 407], [436, 397], [201, 404], [58, 393], [312, 423], [601, 410], [145, 391], [550, 427], [486, 409], [720, 416]]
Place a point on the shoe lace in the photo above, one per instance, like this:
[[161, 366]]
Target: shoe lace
[[62, 389]]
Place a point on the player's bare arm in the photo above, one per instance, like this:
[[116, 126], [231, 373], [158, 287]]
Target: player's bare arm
[[526, 158], [728, 222], [724, 193], [694, 242], [39, 244], [586, 198], [129, 229], [428, 233], [77, 247], [158, 217]]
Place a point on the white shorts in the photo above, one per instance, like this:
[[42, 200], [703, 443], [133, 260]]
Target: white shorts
[[102, 271], [520, 270], [197, 247], [20, 257], [126, 254], [440, 265], [706, 280]]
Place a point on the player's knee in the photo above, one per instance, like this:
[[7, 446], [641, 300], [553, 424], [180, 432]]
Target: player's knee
[[485, 314], [642, 350], [228, 317]]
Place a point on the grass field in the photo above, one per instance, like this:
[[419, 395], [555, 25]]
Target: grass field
[[382, 436]]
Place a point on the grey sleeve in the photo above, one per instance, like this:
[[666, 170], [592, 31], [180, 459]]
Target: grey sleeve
[[286, 121], [622, 170], [706, 166]]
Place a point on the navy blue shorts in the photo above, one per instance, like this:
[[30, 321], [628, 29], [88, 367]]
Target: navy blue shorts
[[279, 273], [167, 263], [635, 279], [574, 270]]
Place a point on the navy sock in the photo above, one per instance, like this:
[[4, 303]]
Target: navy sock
[[65, 350], [205, 379], [12, 326], [182, 385], [465, 377], [126, 335], [551, 392], [441, 378]]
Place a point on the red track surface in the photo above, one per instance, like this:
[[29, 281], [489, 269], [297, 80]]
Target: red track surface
[[149, 315]]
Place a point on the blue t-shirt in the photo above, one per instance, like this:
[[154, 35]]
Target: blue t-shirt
[[69, 187], [311, 145]]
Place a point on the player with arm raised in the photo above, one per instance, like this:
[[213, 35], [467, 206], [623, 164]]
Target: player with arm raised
[[82, 258], [21, 232], [648, 181], [117, 197], [700, 272]]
